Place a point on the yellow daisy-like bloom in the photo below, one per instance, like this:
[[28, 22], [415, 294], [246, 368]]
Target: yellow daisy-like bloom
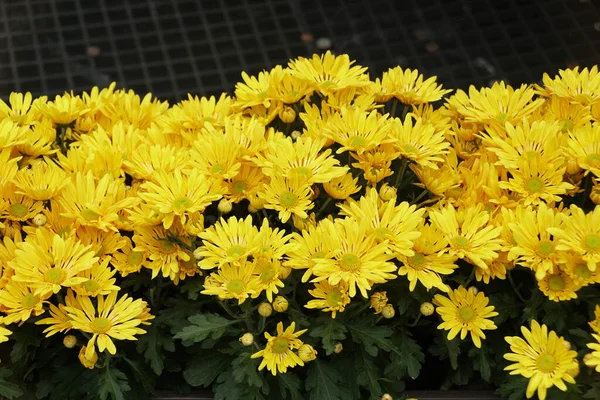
[[100, 280], [245, 184], [428, 264], [4, 333], [359, 260], [329, 298], [8, 167], [578, 87], [378, 301], [146, 159], [376, 163], [534, 247], [592, 359], [19, 302], [542, 358], [191, 115], [286, 88], [40, 140], [558, 286], [287, 196], [268, 272], [103, 244], [357, 130], [227, 241], [307, 247], [536, 181], [465, 312], [418, 141], [468, 233], [278, 355], [178, 195], [64, 110], [569, 115], [254, 91], [11, 134], [576, 267], [18, 207], [584, 146], [343, 187], [59, 320], [497, 269], [595, 324], [110, 319], [215, 156], [50, 262], [41, 181], [131, 109], [328, 73], [163, 248], [22, 110], [233, 281], [128, 260], [495, 105], [580, 233], [408, 87]]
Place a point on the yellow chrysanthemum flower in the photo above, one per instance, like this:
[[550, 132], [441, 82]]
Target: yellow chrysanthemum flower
[[468, 233], [359, 260], [357, 130], [216, 156], [580, 233], [342, 187], [254, 90], [18, 207], [376, 163], [19, 302], [128, 260], [595, 324], [329, 298], [59, 320], [558, 286], [439, 180], [287, 196], [592, 359], [11, 134], [23, 109], [418, 141], [147, 159], [408, 87], [328, 73], [233, 281], [465, 312], [268, 271], [584, 146], [4, 333], [578, 87], [287, 88], [100, 280], [307, 247], [165, 249], [278, 354], [131, 109], [577, 269], [64, 110], [378, 301], [40, 140], [109, 319], [542, 358], [189, 116], [245, 184], [569, 115], [102, 244], [43, 180]]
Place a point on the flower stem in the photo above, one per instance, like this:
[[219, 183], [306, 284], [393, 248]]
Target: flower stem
[[419, 197], [227, 310], [512, 283], [415, 322], [394, 105], [401, 173], [325, 204]]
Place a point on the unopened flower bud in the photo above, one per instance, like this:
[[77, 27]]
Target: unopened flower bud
[[40, 220], [595, 194], [197, 253], [378, 301], [473, 290], [337, 349], [573, 167], [287, 114], [295, 134], [256, 203], [587, 359], [247, 339], [69, 341], [224, 206], [315, 192], [388, 311], [91, 363], [265, 309], [307, 353], [284, 271], [280, 304], [574, 371], [427, 309], [567, 345], [386, 192], [387, 396]]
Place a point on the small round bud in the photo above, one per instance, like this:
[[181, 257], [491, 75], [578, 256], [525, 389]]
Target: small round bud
[[574, 371], [468, 135], [337, 349], [388, 311], [69, 341], [256, 203], [224, 206], [197, 253], [91, 363], [378, 301], [315, 192], [573, 167], [265, 309], [386, 192], [287, 114], [567, 345], [595, 195], [280, 304], [251, 209], [247, 339], [474, 290], [387, 396], [284, 271], [40, 220], [427, 309], [307, 353], [587, 359], [295, 134]]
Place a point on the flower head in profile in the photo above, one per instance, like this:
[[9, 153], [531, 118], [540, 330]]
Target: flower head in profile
[[279, 355], [466, 313], [542, 358], [4, 333], [408, 86], [581, 87], [592, 359]]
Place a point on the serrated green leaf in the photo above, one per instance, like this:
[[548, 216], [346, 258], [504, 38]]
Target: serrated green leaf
[[406, 356], [112, 384], [205, 367], [514, 388], [8, 389], [152, 344], [245, 370], [372, 338], [203, 326], [368, 374], [482, 362], [324, 382], [141, 375], [192, 288], [25, 337], [446, 349], [330, 331], [289, 383], [226, 388], [554, 316], [505, 305]]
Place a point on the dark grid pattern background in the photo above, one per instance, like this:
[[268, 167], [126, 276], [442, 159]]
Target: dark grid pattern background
[[172, 47]]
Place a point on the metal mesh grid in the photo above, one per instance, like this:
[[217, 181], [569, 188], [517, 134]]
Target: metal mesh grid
[[172, 47]]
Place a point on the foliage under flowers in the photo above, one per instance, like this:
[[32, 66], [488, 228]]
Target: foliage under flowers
[[336, 231]]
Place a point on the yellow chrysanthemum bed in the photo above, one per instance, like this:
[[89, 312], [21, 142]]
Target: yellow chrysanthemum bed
[[322, 234]]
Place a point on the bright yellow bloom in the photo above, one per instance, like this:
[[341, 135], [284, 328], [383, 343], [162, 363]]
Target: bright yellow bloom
[[468, 233], [287, 196], [110, 319], [245, 184], [378, 301], [592, 359], [192, 114], [285, 87], [542, 358], [64, 110], [23, 110], [4, 333], [408, 87], [233, 281], [103, 244], [465, 312], [18, 207], [558, 286], [584, 146], [146, 159], [278, 355], [43, 180], [571, 84], [357, 130], [11, 134], [165, 249], [570, 116], [215, 156], [595, 324], [100, 280], [131, 109], [19, 302], [59, 320], [577, 269], [418, 141], [254, 91], [343, 187], [268, 271], [307, 247], [376, 163], [329, 298]]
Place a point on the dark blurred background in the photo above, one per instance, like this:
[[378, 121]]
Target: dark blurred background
[[175, 47]]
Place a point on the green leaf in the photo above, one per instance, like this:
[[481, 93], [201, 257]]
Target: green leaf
[[8, 389], [226, 388], [482, 362], [25, 337], [372, 338], [245, 370], [203, 326], [152, 344], [514, 389], [290, 383], [112, 384], [205, 367], [141, 375], [368, 374], [406, 358], [505, 305], [446, 349], [192, 288], [324, 382], [555, 316], [330, 331]]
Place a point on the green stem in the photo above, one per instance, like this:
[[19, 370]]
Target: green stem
[[588, 181], [261, 325], [428, 201], [470, 278], [405, 112], [416, 321], [394, 105], [401, 173], [227, 309], [325, 204], [419, 197], [378, 319], [264, 213], [512, 283]]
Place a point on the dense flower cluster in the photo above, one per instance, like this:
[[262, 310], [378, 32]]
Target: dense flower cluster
[[307, 170]]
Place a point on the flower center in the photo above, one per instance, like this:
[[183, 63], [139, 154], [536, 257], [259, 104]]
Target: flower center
[[556, 282], [135, 258], [466, 313], [89, 215], [534, 185], [55, 276], [566, 125], [236, 251], [18, 210], [166, 246], [546, 363], [350, 262], [409, 148], [91, 286], [268, 274], [100, 325], [289, 200], [29, 300], [304, 171], [417, 262], [239, 187], [216, 169], [281, 345], [501, 117], [582, 271], [357, 141], [592, 241], [460, 242], [334, 298], [593, 159], [381, 233], [235, 286], [64, 232], [181, 203], [544, 248]]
